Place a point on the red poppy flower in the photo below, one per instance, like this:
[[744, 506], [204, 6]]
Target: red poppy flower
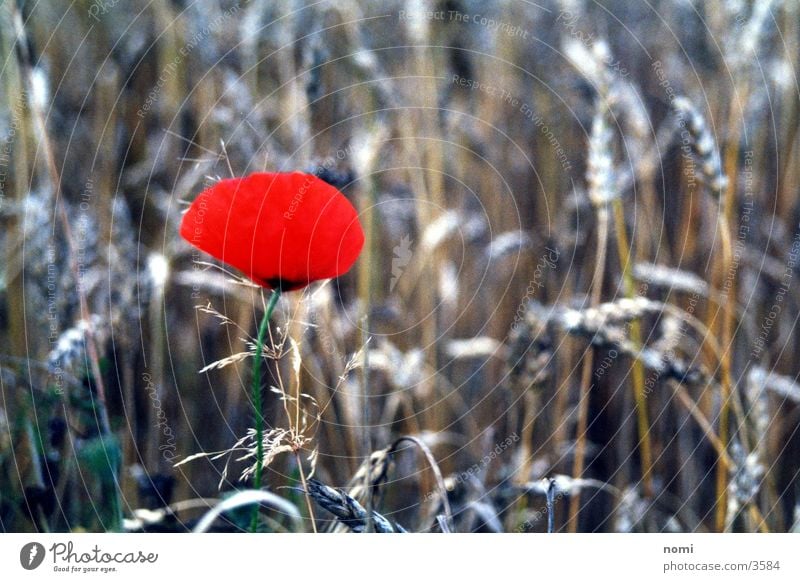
[[282, 230]]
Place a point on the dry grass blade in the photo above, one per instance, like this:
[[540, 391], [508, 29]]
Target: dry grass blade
[[780, 385], [247, 498], [671, 279], [434, 467]]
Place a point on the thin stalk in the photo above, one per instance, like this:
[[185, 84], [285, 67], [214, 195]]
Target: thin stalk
[[551, 506], [256, 395], [726, 387], [642, 420], [366, 289], [530, 404], [310, 506], [728, 216], [586, 376]]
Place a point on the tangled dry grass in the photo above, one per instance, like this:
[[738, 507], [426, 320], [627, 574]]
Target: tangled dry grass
[[576, 309]]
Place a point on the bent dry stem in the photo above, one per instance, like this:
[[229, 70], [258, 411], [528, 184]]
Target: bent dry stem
[[256, 395]]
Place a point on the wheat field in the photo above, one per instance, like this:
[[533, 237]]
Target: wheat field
[[575, 308]]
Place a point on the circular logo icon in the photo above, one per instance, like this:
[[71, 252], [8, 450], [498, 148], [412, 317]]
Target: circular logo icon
[[31, 555]]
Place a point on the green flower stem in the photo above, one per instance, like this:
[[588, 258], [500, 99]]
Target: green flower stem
[[256, 395]]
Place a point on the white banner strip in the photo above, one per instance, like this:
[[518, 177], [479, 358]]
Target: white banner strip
[[388, 558]]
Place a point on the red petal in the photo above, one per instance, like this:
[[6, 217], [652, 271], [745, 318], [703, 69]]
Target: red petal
[[286, 229]]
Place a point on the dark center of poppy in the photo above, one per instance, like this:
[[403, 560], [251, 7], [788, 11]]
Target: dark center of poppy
[[283, 284]]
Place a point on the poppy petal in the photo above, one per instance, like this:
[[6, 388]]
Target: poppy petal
[[280, 229]]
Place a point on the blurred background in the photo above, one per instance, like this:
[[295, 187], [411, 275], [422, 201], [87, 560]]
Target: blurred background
[[580, 276]]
